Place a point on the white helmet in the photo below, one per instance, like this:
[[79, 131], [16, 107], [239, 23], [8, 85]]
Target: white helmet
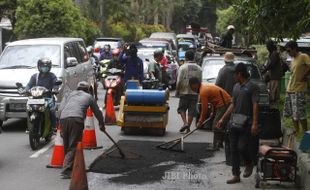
[[230, 27]]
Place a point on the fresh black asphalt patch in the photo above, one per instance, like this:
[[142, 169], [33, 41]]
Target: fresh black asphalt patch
[[144, 163]]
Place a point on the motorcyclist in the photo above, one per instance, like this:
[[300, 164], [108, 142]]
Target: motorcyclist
[[94, 60], [92, 57], [115, 63], [106, 53], [46, 79], [133, 65]]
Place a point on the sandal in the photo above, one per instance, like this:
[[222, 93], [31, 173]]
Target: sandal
[[185, 127]]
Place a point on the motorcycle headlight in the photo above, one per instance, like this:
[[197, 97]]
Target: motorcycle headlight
[[36, 93]]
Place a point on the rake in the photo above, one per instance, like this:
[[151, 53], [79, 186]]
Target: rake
[[170, 144]]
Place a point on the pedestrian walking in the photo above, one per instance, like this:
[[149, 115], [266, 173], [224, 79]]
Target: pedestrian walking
[[188, 98], [243, 123], [73, 110], [274, 72], [220, 101], [295, 101]]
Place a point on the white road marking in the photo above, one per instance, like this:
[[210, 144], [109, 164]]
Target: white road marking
[[41, 151]]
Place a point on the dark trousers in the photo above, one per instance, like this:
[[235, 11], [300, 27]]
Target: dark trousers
[[71, 132], [242, 143]]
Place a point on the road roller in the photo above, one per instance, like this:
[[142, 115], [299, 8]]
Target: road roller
[[143, 111]]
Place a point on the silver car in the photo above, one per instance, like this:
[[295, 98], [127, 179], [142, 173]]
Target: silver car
[[18, 62]]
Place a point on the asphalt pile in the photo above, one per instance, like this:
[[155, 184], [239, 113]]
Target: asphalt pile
[[144, 163]]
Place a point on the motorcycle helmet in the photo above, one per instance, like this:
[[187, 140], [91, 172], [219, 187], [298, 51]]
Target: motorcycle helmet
[[90, 49], [115, 52], [106, 48], [83, 85], [133, 50], [44, 65]]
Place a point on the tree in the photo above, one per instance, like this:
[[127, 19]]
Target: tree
[[48, 18], [8, 8], [276, 18]]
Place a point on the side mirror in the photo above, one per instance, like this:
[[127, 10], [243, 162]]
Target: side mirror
[[71, 62], [19, 85]]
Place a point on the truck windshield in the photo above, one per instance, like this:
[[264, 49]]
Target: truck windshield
[[27, 56]]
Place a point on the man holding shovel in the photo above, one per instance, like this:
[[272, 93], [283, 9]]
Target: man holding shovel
[[72, 111], [220, 101]]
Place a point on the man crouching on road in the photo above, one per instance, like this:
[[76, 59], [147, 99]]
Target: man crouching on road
[[73, 110]]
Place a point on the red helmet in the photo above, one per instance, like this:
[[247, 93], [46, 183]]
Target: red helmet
[[115, 52]]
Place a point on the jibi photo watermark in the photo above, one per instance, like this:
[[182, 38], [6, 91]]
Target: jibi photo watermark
[[183, 176]]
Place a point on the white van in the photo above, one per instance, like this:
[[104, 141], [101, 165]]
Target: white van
[[18, 62]]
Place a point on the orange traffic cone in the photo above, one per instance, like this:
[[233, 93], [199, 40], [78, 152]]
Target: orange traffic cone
[[58, 152], [89, 134], [110, 118], [79, 177]]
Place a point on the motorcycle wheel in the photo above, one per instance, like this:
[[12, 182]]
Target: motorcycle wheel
[[34, 137]]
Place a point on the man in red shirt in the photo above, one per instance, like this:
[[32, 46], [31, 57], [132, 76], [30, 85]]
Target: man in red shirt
[[164, 67]]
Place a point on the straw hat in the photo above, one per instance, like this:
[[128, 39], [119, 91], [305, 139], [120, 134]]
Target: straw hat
[[229, 57]]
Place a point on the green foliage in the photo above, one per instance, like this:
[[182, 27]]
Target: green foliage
[[262, 53], [225, 18], [275, 18], [51, 18]]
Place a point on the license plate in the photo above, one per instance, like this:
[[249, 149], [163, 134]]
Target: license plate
[[36, 101], [17, 107]]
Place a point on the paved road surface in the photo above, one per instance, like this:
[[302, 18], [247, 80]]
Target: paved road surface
[[22, 168]]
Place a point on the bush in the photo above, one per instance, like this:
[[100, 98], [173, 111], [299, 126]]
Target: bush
[[262, 53], [57, 18]]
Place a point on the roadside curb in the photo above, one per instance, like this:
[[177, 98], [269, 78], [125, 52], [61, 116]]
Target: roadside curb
[[303, 178]]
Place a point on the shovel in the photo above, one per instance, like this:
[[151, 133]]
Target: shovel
[[119, 149]]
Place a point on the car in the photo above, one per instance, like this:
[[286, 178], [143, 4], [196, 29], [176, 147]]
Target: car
[[114, 43], [183, 47], [156, 43], [188, 38], [167, 35], [18, 62], [212, 64]]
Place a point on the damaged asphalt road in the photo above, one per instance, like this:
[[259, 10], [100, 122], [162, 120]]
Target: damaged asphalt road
[[144, 163]]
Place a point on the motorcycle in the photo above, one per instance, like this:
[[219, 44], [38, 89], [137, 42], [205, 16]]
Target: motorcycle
[[38, 113], [113, 84], [150, 83]]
